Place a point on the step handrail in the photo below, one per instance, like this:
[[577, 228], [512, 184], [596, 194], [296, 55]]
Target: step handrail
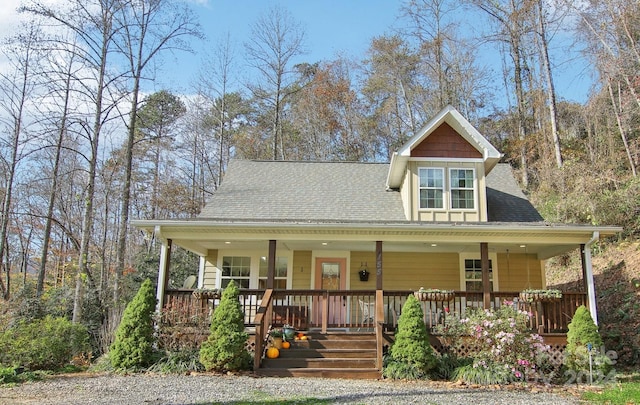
[[263, 315]]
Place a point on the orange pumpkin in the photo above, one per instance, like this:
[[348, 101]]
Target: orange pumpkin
[[286, 345], [300, 334], [273, 353]]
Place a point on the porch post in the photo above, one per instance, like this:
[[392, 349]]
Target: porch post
[[271, 266], [163, 273], [588, 271], [379, 265], [486, 283], [583, 264], [379, 305], [201, 267]]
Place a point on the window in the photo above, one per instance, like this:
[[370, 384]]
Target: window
[[280, 278], [473, 275], [431, 187], [236, 268], [462, 188]]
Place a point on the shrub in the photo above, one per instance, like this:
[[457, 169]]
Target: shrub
[[506, 350], [411, 355], [225, 348], [181, 361], [583, 331], [43, 344], [133, 347]]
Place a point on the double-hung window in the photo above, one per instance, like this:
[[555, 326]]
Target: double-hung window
[[462, 188], [280, 277], [236, 268], [431, 188]]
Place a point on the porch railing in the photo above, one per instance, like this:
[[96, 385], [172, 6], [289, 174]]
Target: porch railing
[[356, 309]]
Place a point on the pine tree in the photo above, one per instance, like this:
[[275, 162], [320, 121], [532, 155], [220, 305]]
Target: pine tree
[[225, 349], [133, 347], [582, 332], [411, 355]]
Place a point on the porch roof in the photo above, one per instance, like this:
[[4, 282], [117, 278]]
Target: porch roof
[[543, 239]]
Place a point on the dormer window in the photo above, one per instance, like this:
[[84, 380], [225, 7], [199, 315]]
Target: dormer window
[[431, 188], [434, 195], [462, 189]]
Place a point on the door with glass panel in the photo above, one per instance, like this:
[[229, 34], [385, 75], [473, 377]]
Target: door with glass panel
[[331, 277]]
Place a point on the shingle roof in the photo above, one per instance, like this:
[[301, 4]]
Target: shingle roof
[[338, 191], [505, 200], [305, 191]]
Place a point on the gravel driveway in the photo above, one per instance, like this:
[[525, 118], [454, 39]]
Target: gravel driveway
[[207, 388]]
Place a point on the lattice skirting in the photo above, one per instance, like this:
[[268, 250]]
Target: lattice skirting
[[557, 345]]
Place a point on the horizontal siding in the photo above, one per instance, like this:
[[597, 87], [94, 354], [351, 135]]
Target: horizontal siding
[[517, 272], [408, 271], [301, 270], [210, 269]]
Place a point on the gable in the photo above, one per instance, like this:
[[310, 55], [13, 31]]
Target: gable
[[445, 142]]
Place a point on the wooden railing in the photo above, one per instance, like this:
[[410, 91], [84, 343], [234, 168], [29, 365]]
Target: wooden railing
[[356, 309]]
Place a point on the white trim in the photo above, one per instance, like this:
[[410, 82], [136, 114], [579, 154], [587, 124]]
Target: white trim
[[475, 190], [162, 268], [591, 289], [254, 255], [443, 188], [493, 256], [201, 266], [445, 160]]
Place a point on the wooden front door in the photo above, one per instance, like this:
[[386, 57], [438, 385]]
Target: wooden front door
[[331, 275]]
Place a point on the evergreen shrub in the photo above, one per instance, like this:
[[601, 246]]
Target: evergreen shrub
[[133, 346], [582, 332], [43, 344], [411, 355], [225, 348]]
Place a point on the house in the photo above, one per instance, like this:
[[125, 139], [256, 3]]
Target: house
[[341, 244]]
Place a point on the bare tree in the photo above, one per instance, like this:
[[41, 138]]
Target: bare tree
[[148, 27], [16, 88], [275, 40]]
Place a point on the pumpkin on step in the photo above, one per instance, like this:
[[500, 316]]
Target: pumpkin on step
[[273, 353], [286, 345]]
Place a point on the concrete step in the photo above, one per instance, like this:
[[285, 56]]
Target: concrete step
[[348, 373]]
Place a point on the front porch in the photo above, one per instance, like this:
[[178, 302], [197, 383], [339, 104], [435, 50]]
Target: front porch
[[356, 309], [373, 313]]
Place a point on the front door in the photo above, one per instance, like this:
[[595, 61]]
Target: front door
[[331, 276]]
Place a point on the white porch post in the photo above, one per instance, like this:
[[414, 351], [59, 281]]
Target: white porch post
[[163, 273], [588, 272], [203, 261]]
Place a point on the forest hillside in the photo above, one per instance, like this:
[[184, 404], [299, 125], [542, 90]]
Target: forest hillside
[[617, 277]]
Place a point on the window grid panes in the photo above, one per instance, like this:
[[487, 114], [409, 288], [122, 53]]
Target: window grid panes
[[473, 275], [431, 188], [462, 188], [280, 279], [236, 268]]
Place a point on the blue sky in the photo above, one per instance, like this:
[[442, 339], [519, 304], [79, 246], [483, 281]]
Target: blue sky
[[332, 27], [347, 27]]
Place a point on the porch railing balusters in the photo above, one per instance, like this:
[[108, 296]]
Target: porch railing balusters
[[323, 309]]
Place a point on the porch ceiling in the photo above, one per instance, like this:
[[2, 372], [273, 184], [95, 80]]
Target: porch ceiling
[[544, 240]]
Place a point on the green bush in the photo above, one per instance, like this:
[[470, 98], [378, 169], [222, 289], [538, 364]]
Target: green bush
[[133, 347], [225, 348], [584, 331], [411, 355], [43, 344]]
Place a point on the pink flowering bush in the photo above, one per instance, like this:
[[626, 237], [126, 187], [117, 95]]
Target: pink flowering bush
[[507, 351]]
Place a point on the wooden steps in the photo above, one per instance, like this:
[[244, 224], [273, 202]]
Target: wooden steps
[[330, 355]]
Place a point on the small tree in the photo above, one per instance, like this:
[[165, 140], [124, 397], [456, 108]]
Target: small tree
[[411, 355], [225, 349], [582, 332], [133, 347]]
